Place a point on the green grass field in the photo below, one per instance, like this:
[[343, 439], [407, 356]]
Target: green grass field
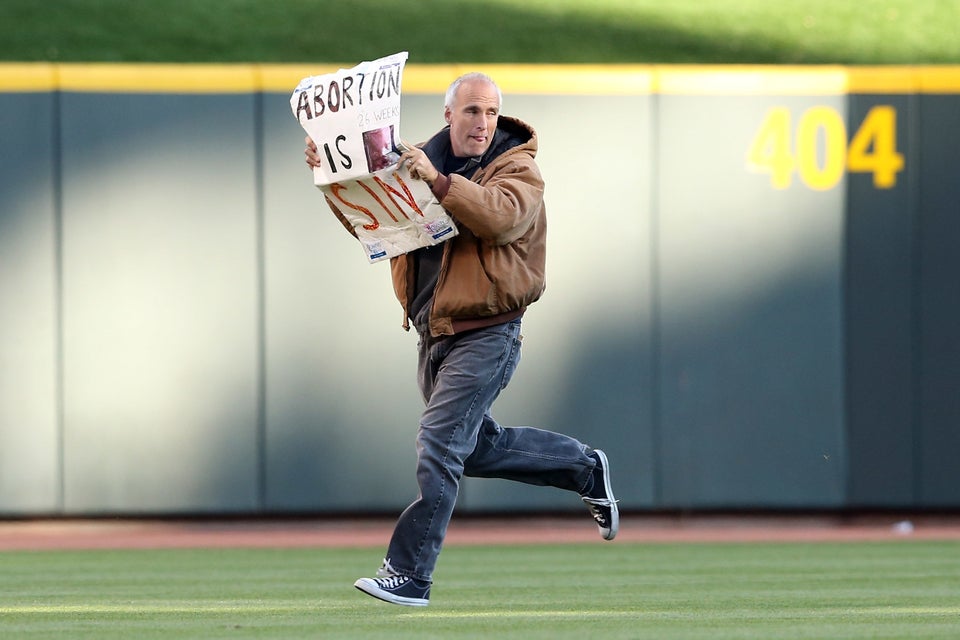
[[568, 31], [902, 589]]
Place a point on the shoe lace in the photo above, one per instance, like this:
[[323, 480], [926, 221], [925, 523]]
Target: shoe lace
[[598, 507], [386, 570], [392, 582]]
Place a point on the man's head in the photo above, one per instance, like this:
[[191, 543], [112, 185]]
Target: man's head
[[471, 109]]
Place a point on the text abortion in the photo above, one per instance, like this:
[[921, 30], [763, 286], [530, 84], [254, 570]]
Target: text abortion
[[338, 93]]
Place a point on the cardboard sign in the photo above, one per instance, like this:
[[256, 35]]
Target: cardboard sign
[[353, 116]]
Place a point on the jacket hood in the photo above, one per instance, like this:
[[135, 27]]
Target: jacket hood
[[511, 133]]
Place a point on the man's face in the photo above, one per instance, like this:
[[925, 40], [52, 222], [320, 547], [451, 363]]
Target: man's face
[[473, 118]]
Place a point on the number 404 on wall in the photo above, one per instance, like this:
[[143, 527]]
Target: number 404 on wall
[[781, 152]]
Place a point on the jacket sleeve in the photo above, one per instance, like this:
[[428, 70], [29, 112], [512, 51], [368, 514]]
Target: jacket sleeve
[[502, 205]]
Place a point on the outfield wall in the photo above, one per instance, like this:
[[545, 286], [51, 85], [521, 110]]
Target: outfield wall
[[752, 293]]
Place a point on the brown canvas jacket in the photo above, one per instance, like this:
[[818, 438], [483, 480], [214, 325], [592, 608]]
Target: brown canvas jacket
[[495, 266]]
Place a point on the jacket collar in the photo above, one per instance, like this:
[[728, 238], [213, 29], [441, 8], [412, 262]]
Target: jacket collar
[[510, 133]]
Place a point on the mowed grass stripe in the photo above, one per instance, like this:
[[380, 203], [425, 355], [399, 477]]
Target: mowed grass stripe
[[900, 589]]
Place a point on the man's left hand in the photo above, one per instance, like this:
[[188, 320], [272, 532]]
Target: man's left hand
[[419, 165]]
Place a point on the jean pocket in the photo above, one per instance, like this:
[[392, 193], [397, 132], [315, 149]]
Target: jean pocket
[[513, 359]]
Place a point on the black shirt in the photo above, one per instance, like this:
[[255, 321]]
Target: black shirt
[[426, 261]]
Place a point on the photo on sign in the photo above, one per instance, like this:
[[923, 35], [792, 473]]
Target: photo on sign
[[380, 149]]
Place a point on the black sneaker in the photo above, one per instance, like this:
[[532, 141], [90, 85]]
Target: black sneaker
[[600, 500], [396, 590]]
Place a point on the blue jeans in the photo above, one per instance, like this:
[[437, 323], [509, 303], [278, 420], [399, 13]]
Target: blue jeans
[[460, 376]]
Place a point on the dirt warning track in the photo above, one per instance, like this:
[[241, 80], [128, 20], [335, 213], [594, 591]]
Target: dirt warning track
[[122, 533]]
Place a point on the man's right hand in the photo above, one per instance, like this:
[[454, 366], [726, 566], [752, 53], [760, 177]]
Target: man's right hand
[[312, 153]]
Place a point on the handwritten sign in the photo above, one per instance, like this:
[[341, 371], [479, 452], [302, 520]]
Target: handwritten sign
[[353, 116]]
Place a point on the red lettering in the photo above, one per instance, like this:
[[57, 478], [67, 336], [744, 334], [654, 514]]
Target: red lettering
[[409, 200], [379, 201], [398, 197], [336, 188]]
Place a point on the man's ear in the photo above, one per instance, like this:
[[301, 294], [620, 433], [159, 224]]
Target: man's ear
[[446, 115]]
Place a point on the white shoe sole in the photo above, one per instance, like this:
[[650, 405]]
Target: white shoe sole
[[614, 509]]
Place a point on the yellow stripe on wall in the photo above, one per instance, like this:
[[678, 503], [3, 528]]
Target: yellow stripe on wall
[[513, 78], [283, 78], [28, 77], [739, 80], [883, 80], [939, 79], [556, 79], [158, 78]]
